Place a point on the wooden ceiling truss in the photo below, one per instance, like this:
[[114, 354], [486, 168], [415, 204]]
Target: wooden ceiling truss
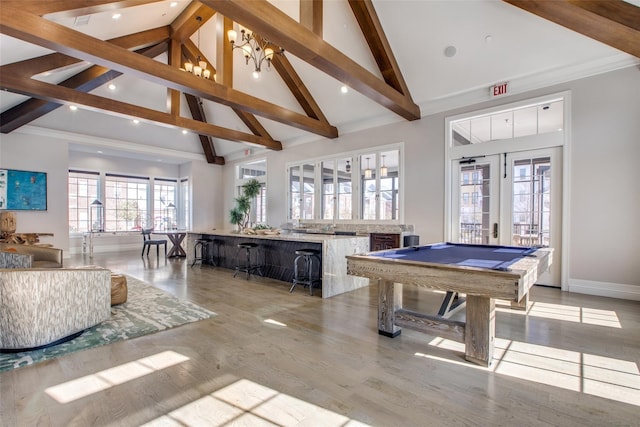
[[115, 57], [613, 22]]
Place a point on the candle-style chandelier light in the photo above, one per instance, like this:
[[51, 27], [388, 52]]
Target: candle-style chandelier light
[[200, 68], [253, 47]]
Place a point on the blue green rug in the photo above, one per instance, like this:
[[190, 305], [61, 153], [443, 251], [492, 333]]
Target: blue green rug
[[147, 310]]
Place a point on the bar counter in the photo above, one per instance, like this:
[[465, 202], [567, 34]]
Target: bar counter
[[277, 253]]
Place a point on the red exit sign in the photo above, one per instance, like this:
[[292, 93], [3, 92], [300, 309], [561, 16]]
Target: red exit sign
[[499, 89]]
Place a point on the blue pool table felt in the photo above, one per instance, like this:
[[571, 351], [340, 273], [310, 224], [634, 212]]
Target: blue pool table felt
[[480, 256]]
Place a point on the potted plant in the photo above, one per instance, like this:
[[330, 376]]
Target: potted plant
[[240, 215]]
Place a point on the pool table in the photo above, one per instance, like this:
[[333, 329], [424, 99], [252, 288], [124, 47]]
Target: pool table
[[481, 272]]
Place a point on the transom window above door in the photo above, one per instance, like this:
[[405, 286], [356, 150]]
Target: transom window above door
[[532, 119]]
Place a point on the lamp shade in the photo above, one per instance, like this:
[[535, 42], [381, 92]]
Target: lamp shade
[[232, 35]]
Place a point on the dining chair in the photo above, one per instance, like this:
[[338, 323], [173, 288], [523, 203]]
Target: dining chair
[[148, 241]]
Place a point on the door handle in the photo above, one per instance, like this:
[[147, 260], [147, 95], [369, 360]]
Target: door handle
[[495, 230]]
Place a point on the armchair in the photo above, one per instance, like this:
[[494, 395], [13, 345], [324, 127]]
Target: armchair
[[41, 307]]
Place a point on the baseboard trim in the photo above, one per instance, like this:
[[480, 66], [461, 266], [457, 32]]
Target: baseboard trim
[[605, 289]]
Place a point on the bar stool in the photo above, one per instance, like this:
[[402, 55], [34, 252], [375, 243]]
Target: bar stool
[[203, 244], [306, 276], [216, 252], [248, 267]]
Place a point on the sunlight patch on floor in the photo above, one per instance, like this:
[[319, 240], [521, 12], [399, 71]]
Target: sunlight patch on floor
[[602, 376], [275, 322], [589, 316], [245, 402], [94, 383]]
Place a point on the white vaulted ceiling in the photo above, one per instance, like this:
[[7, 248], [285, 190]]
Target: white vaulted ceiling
[[494, 42]]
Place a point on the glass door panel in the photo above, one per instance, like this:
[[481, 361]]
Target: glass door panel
[[476, 202], [531, 201]]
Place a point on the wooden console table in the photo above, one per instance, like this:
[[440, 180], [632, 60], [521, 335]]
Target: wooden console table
[[23, 238]]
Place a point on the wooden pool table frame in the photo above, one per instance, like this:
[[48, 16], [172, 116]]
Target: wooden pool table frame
[[481, 286]]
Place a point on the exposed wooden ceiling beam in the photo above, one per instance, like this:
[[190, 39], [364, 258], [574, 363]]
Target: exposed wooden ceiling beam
[[187, 23], [252, 123], [54, 61], [85, 81], [55, 93], [42, 32], [72, 8], [276, 26], [297, 87], [224, 52], [373, 32], [311, 15], [191, 51], [175, 59], [197, 112], [612, 22]]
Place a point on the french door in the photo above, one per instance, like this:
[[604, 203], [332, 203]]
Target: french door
[[510, 199]]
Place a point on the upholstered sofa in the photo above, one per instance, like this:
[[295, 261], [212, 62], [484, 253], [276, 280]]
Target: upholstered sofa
[[44, 306], [43, 257]]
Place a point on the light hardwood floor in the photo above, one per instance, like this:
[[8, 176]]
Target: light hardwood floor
[[290, 359]]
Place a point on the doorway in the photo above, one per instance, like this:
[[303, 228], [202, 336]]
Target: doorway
[[512, 199]]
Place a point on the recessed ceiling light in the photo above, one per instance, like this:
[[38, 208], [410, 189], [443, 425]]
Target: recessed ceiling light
[[344, 89], [73, 107], [112, 87], [99, 152], [173, 4], [450, 51], [488, 38], [184, 131], [116, 15], [135, 121]]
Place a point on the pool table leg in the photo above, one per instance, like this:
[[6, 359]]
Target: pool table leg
[[389, 300], [522, 304], [480, 329]]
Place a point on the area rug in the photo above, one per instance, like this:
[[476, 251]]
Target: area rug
[[147, 310]]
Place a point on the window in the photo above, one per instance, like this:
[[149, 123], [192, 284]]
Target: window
[[337, 193], [302, 191], [363, 186], [381, 185], [533, 119], [184, 220], [83, 190], [164, 204], [126, 203], [256, 169]]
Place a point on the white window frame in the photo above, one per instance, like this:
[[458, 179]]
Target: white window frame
[[161, 209], [87, 198], [145, 221], [523, 143], [240, 181], [355, 184]]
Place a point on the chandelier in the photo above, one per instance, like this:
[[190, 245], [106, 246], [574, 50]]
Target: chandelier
[[368, 173], [254, 48], [200, 69], [383, 170]]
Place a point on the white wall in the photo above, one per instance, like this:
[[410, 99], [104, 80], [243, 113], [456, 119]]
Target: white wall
[[206, 195], [604, 245], [34, 153]]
